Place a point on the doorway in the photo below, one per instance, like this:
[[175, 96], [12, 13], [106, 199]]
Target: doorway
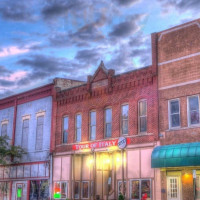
[[173, 188]]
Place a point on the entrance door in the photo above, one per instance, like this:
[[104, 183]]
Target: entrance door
[[173, 188]]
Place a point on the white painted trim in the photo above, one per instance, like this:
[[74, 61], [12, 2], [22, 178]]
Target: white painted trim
[[5, 121], [26, 117], [188, 111], [178, 28], [179, 84], [178, 59], [169, 113], [40, 113]]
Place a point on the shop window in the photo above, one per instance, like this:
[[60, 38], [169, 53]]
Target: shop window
[[140, 189], [25, 132], [142, 116], [19, 191], [39, 132], [193, 110], [60, 190], [76, 189], [92, 125], [85, 189], [174, 113], [120, 187], [78, 127], [124, 119], [4, 129], [108, 122], [4, 190], [39, 190], [65, 129]]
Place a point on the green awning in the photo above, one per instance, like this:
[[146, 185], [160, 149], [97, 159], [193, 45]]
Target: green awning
[[177, 155]]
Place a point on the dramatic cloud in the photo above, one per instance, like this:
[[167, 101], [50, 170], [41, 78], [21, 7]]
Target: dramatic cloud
[[57, 8], [127, 28], [127, 2], [17, 10], [180, 5], [4, 71]]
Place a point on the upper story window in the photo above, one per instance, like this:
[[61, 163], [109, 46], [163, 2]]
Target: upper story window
[[124, 119], [193, 110], [4, 127], [92, 125], [25, 132], [142, 116], [78, 127], [39, 132], [65, 129], [108, 122], [174, 113]]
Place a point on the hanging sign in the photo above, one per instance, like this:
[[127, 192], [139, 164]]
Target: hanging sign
[[122, 142], [194, 173]]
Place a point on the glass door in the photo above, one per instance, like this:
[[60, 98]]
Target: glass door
[[173, 188]]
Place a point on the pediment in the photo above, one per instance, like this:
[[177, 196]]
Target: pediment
[[100, 74]]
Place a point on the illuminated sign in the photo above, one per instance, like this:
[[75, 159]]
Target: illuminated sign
[[57, 193], [99, 144], [122, 142]]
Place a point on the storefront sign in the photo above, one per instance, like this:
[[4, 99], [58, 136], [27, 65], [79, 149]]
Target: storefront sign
[[122, 142], [94, 145]]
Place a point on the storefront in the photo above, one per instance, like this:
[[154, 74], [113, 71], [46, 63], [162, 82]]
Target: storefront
[[104, 169], [180, 170]]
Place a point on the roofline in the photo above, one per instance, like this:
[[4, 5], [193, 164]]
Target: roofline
[[18, 94]]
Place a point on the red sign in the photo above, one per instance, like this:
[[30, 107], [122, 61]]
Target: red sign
[[99, 144], [94, 145]]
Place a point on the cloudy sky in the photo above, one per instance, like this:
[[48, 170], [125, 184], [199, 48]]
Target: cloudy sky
[[44, 39]]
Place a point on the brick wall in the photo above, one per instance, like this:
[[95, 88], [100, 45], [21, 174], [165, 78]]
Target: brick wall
[[124, 88]]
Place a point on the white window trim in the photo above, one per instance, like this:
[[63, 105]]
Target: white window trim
[[76, 126], [140, 180], [121, 120], [109, 107], [88, 189], [92, 126], [143, 132], [67, 185], [188, 112], [63, 128], [40, 113], [169, 114], [26, 117], [5, 121]]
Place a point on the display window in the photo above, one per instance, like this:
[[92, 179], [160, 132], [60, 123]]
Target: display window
[[61, 190], [85, 189], [140, 189], [39, 190], [4, 190]]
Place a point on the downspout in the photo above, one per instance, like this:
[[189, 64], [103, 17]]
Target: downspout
[[51, 176]]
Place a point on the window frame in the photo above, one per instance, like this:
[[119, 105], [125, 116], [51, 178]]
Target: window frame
[[125, 184], [109, 107], [169, 114], [90, 125], [78, 189], [67, 188], [78, 128], [25, 147], [121, 119], [139, 131], [82, 189], [188, 111], [37, 132], [140, 188], [65, 116]]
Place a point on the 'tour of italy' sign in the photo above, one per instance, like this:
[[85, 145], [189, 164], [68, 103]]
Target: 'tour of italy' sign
[[99, 144]]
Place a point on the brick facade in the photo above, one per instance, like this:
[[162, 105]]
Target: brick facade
[[178, 78]]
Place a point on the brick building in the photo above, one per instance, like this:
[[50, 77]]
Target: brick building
[[179, 88], [91, 121], [26, 119]]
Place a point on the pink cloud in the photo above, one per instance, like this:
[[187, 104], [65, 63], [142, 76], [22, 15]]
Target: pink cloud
[[12, 50]]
